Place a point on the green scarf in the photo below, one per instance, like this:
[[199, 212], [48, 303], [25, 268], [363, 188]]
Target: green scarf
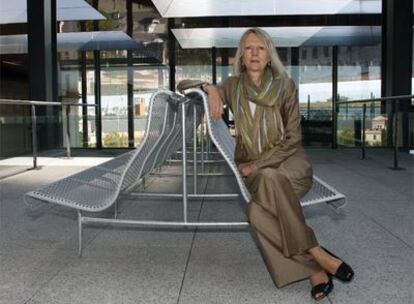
[[263, 130]]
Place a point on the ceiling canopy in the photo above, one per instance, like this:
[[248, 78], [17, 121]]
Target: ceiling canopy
[[15, 11], [281, 36], [209, 8]]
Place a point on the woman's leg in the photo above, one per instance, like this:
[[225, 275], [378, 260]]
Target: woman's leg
[[327, 262], [277, 219]]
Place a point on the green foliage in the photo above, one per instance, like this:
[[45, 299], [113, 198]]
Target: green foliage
[[346, 137], [115, 140]]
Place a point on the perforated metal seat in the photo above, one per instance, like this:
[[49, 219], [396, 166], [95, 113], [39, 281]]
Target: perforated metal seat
[[98, 188]]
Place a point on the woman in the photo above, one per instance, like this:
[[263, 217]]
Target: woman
[[277, 172]]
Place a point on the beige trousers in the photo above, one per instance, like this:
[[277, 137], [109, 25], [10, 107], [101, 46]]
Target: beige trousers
[[276, 217]]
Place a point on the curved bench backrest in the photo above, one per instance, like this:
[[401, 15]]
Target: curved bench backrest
[[161, 116], [222, 139]]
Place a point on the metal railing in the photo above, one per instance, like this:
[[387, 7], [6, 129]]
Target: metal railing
[[33, 104], [394, 121]]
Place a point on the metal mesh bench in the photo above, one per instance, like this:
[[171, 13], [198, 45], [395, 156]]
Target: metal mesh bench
[[172, 119], [98, 188], [219, 133]]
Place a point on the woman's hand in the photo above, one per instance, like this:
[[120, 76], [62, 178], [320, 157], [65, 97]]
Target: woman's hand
[[247, 168], [214, 101]]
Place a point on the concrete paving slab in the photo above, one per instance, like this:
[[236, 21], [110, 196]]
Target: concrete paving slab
[[25, 271], [88, 282], [381, 261], [226, 267], [394, 216], [129, 265]]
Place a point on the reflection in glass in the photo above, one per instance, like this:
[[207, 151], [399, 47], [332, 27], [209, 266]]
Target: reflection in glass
[[359, 77], [350, 125], [152, 31], [193, 64], [315, 94], [146, 81], [114, 108], [90, 84], [359, 72]]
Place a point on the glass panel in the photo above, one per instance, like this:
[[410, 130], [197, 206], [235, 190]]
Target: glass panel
[[350, 125], [114, 107], [70, 87], [224, 64], [146, 81], [359, 72], [315, 95], [152, 31], [15, 130], [193, 64], [91, 121]]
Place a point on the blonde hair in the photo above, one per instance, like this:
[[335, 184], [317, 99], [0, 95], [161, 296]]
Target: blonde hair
[[275, 63]]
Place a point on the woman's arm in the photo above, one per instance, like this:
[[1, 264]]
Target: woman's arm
[[216, 94], [215, 99]]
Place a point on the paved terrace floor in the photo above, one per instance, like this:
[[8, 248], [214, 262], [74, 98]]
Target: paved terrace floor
[[373, 233]]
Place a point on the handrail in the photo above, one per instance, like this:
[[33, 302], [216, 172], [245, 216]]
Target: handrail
[[42, 103], [388, 98], [394, 120], [33, 104]]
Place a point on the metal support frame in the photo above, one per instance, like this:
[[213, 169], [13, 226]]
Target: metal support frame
[[334, 96], [80, 233], [184, 161], [98, 110], [67, 134], [202, 146], [179, 195], [34, 136], [171, 52], [84, 93], [364, 114], [163, 223], [194, 150], [214, 64], [160, 174], [130, 76], [395, 134], [206, 161]]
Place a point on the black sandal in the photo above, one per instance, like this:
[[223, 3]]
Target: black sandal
[[344, 271], [324, 289]]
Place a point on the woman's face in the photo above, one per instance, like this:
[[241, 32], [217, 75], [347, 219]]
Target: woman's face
[[255, 54]]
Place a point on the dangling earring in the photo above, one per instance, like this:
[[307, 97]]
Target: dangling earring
[[269, 64]]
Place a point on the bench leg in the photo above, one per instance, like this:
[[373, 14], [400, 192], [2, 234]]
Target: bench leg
[[202, 147], [116, 209], [80, 233], [194, 150]]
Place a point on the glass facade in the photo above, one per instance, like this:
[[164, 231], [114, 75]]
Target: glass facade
[[359, 77], [315, 94], [115, 77]]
